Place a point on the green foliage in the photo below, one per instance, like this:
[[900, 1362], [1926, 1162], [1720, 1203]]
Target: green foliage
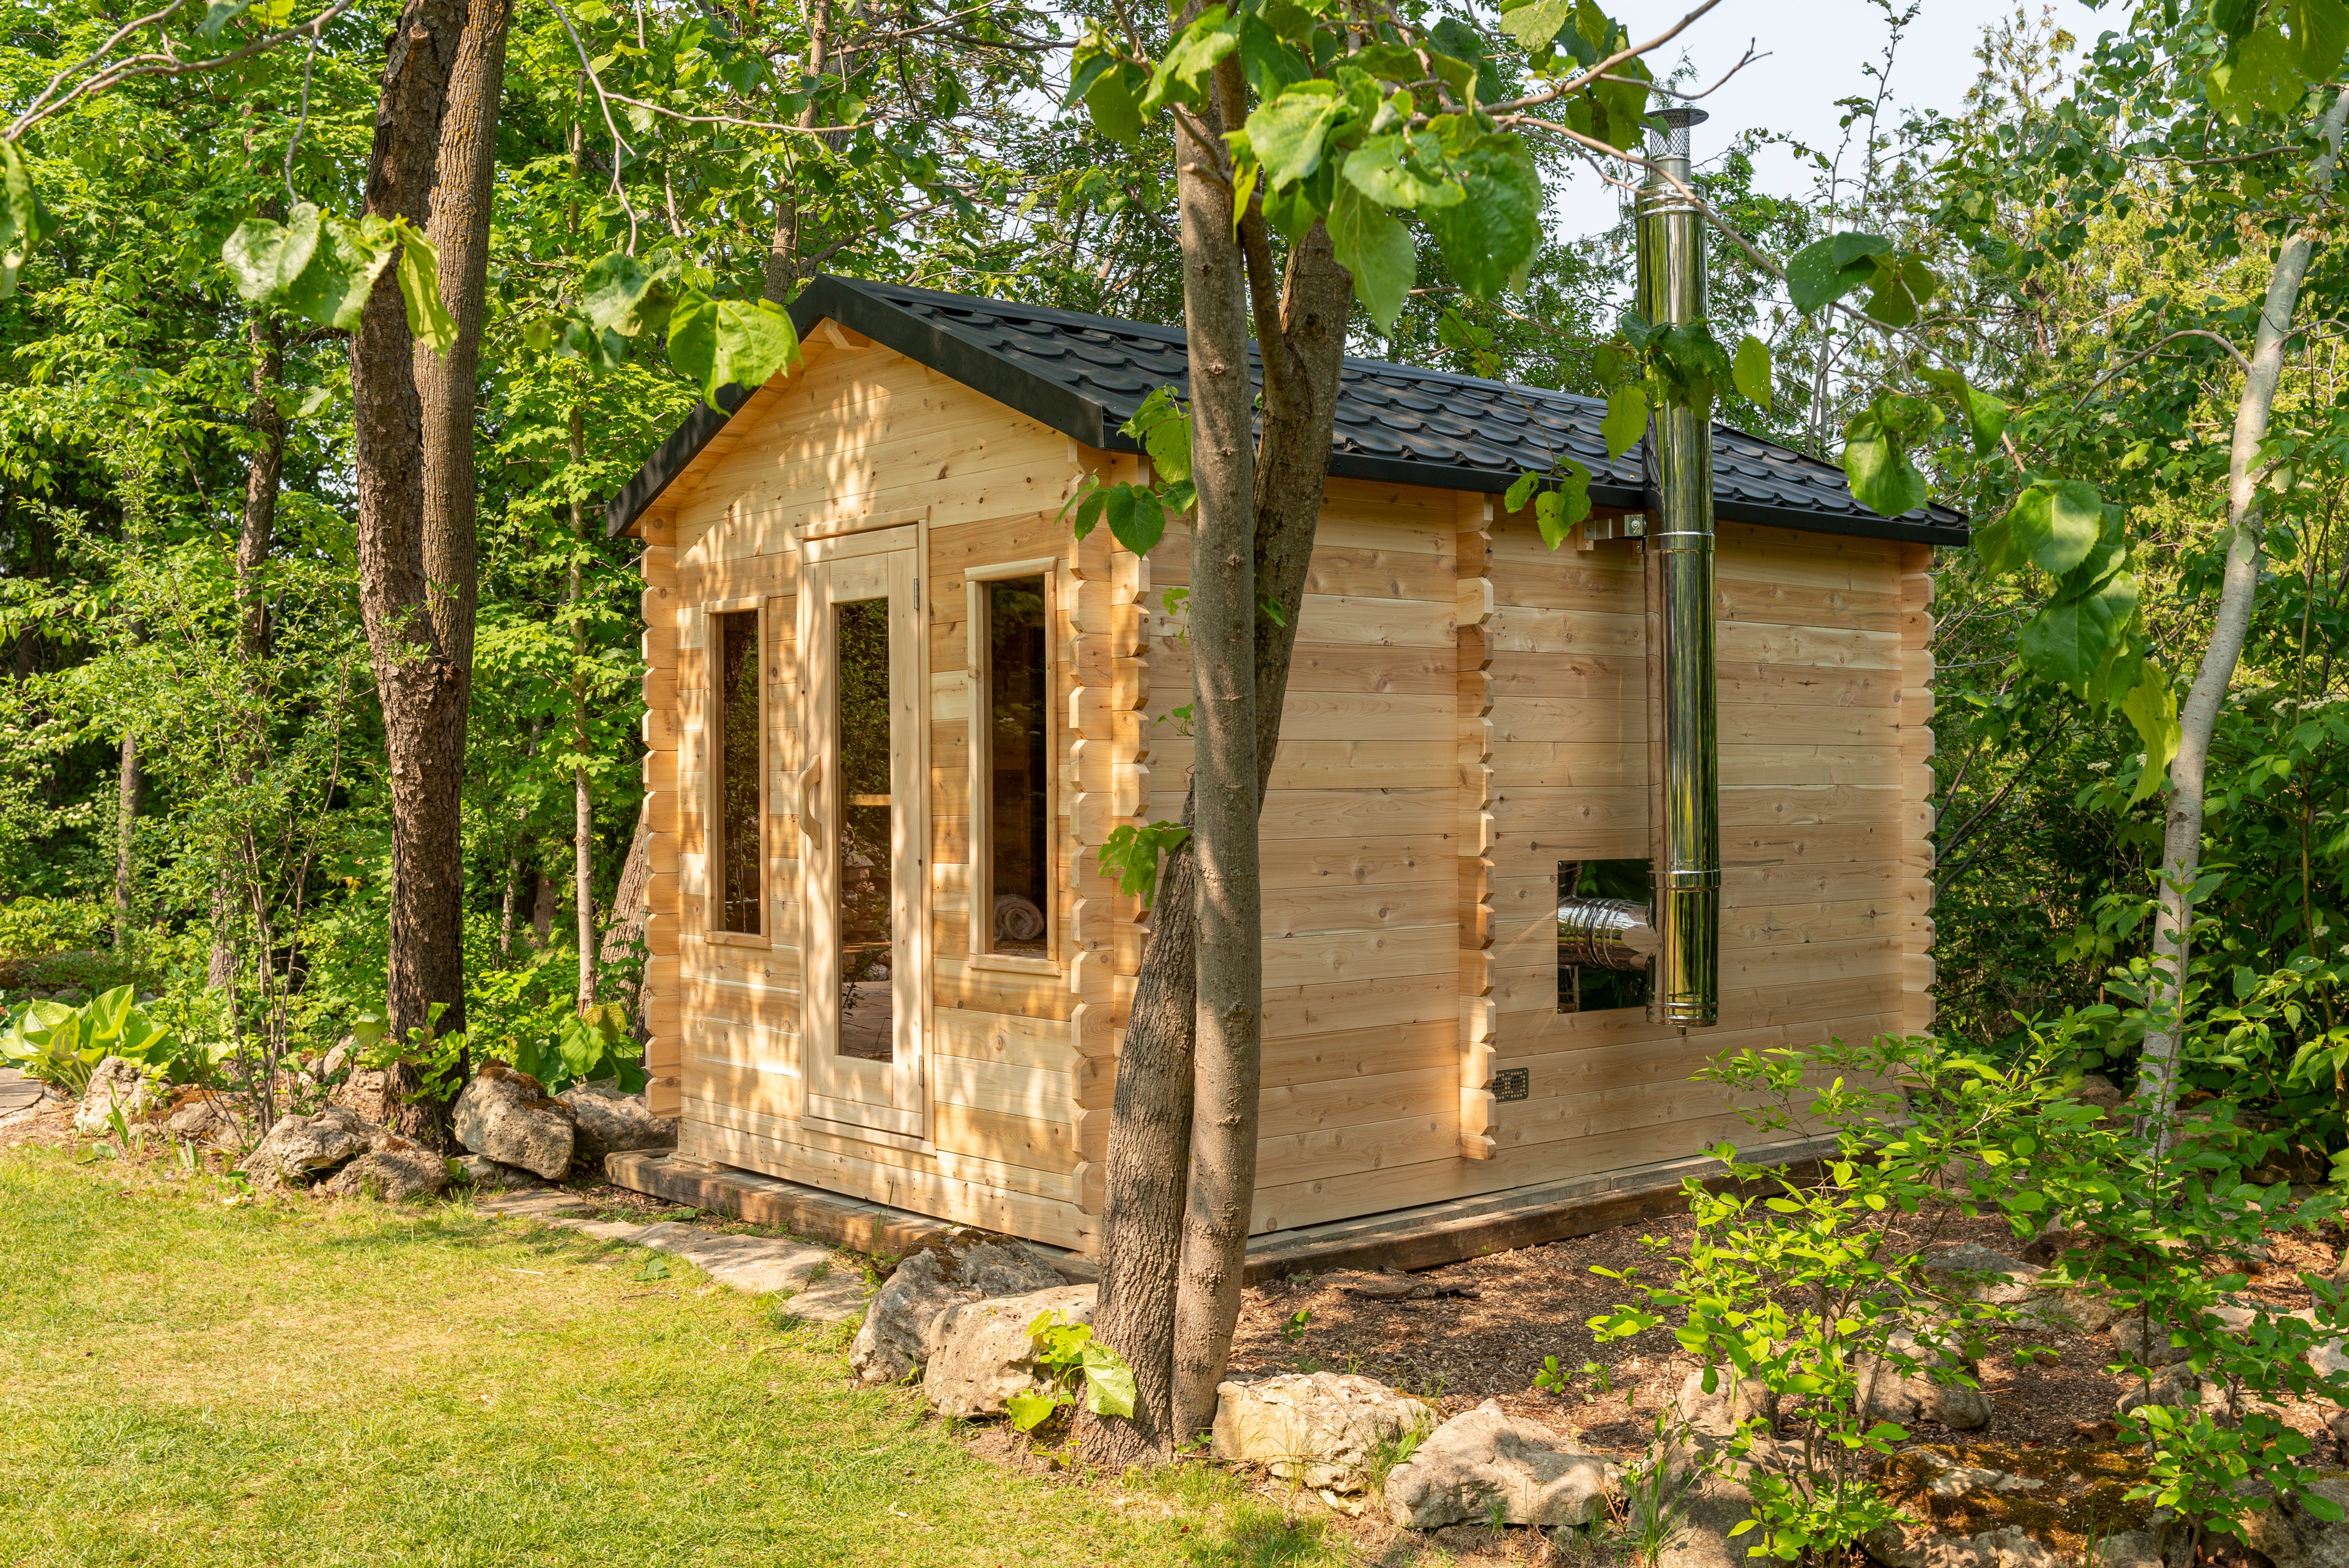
[[1130, 855], [30, 927], [583, 1049], [1136, 514], [62, 1045], [1068, 1355], [1875, 445]]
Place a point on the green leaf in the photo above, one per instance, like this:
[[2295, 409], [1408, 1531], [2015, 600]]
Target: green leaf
[[1555, 511], [1533, 26], [1384, 170], [2151, 708], [1270, 65], [1902, 286], [264, 258], [1287, 131], [1140, 523], [2320, 35], [1129, 855], [614, 293], [729, 342], [1750, 371], [1876, 453], [1826, 270], [2069, 639], [419, 289], [219, 15], [1182, 68], [1110, 100], [1164, 429], [1985, 415], [1371, 243], [332, 289], [2318, 1504], [1626, 420], [1109, 1381], [1488, 237], [24, 222], [2056, 524], [2263, 74], [1029, 1411], [1520, 488]]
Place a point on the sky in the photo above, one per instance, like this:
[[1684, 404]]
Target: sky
[[1813, 54]]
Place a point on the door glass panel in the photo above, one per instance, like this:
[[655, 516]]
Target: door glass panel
[[1019, 781], [867, 937], [738, 779]]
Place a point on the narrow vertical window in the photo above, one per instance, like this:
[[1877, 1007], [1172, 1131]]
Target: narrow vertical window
[[1016, 855], [734, 640], [869, 935]]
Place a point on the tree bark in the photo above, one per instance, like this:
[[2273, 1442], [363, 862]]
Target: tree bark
[[127, 790], [256, 536], [783, 271], [420, 681], [2197, 717], [1301, 330], [583, 831]]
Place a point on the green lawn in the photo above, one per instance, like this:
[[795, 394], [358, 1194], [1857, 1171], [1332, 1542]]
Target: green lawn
[[190, 1384]]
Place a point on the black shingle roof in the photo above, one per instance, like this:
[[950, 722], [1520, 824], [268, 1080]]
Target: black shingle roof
[[1085, 375]]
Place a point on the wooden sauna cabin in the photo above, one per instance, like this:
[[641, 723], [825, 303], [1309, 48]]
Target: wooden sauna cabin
[[894, 709]]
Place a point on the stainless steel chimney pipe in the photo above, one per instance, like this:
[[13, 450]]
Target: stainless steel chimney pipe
[[1684, 749]]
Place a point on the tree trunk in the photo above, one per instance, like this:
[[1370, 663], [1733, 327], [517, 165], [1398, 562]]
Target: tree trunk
[[127, 791], [420, 681], [783, 274], [2197, 717], [583, 831], [1301, 330], [1226, 1065], [256, 537]]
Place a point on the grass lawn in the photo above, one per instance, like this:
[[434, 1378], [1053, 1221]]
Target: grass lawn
[[190, 1384]]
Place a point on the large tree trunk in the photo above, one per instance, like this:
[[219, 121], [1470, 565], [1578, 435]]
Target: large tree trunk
[[1301, 331], [2197, 717], [420, 680], [783, 271], [257, 535]]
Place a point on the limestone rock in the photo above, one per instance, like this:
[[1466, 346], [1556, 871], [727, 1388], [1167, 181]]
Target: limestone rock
[[2292, 1537], [2129, 1549], [2151, 1347], [1984, 1275], [482, 1174], [1711, 1509], [392, 1169], [613, 1123], [299, 1147], [114, 1085], [200, 1116], [1319, 1427], [2096, 1089], [506, 1115], [1482, 1459], [2175, 1386], [1895, 1546], [983, 1355], [1732, 1400], [1888, 1394], [966, 1266]]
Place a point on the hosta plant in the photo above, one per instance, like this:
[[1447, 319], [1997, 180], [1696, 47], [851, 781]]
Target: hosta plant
[[62, 1045]]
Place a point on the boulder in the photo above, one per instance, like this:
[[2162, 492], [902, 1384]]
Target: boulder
[[983, 1354], [1482, 1462], [965, 1266], [392, 1169], [613, 1123], [1983, 1275], [1319, 1427], [299, 1147], [2151, 1347], [506, 1115], [115, 1084], [2129, 1549], [1909, 1546], [1889, 1394], [2096, 1089], [200, 1116], [484, 1174], [2175, 1386], [2292, 1537], [1733, 1401], [1709, 1510]]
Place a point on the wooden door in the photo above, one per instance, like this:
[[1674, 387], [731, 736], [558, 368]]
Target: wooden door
[[866, 812]]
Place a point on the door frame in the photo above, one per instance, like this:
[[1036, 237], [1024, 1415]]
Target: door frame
[[907, 1123]]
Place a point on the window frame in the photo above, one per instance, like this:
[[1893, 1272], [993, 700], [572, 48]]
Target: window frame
[[979, 947], [713, 838]]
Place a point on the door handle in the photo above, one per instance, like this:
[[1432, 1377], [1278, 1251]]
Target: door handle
[[811, 780]]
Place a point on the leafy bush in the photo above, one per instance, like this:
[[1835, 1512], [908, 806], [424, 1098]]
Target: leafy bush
[[584, 1049], [1068, 1352], [62, 1045], [30, 928]]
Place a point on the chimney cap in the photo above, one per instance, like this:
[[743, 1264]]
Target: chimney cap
[[1680, 117]]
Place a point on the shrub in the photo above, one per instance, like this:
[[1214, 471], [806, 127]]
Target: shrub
[[30, 928], [62, 1045]]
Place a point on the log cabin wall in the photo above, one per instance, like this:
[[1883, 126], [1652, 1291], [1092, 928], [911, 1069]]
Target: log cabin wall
[[860, 432], [1465, 709]]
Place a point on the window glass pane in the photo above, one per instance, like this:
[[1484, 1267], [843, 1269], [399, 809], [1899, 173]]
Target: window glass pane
[[867, 941], [737, 784], [1019, 854]]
